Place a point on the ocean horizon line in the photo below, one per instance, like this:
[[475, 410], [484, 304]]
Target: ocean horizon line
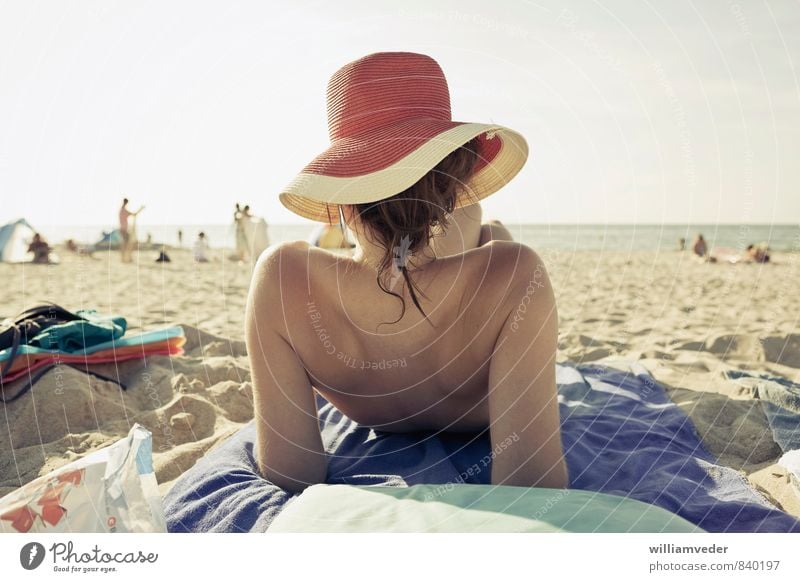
[[542, 224], [579, 236]]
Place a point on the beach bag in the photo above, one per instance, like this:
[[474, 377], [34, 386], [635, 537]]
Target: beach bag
[[111, 490]]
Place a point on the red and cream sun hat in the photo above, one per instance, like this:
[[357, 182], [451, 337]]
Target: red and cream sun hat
[[389, 122]]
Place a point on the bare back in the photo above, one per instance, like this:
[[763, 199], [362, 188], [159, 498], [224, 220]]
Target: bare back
[[320, 320], [412, 374]]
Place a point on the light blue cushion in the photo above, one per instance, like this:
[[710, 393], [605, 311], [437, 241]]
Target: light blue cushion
[[470, 508]]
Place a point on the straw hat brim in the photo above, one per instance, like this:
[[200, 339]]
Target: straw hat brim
[[385, 162]]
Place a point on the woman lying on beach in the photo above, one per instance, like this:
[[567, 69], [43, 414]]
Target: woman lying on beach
[[757, 253], [418, 330]]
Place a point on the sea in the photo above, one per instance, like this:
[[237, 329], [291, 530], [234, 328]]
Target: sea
[[581, 237]]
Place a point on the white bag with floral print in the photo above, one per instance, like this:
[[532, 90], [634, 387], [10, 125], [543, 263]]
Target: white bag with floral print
[[111, 490]]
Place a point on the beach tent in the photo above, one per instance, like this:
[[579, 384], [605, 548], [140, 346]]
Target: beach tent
[[109, 240], [14, 240]]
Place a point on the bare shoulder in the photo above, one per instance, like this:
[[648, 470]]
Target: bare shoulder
[[276, 257], [509, 260], [284, 270], [290, 259], [276, 276], [514, 270]]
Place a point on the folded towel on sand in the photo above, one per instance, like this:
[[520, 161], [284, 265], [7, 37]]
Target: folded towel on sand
[[73, 336], [622, 435], [167, 341]]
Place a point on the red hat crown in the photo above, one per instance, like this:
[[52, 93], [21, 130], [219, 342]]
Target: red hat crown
[[385, 88]]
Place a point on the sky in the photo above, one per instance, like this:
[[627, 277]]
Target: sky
[[635, 111]]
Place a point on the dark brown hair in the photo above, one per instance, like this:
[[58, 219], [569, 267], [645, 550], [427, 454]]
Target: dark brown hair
[[403, 224]]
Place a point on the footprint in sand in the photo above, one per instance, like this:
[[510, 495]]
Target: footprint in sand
[[783, 350], [736, 347]]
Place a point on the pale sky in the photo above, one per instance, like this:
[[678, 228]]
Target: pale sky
[[635, 111]]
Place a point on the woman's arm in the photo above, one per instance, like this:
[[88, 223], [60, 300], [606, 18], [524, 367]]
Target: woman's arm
[[523, 404], [289, 449]]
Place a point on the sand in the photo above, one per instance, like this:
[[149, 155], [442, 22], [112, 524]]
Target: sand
[[687, 322]]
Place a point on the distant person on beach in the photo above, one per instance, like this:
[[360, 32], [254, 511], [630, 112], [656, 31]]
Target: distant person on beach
[[331, 236], [477, 330], [180, 238], [758, 253], [252, 236], [126, 230], [681, 244], [700, 248], [200, 248], [241, 236], [163, 257], [83, 249], [40, 249]]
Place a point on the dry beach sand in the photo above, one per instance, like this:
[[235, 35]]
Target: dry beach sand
[[686, 321]]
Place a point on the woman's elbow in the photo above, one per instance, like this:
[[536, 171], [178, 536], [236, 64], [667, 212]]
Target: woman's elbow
[[296, 480], [291, 485], [558, 478]]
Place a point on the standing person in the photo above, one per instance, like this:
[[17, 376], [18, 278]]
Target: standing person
[[200, 248], [241, 236], [681, 244], [125, 229], [180, 238]]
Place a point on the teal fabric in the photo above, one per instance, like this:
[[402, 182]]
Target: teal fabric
[[75, 336], [141, 339], [471, 508]]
